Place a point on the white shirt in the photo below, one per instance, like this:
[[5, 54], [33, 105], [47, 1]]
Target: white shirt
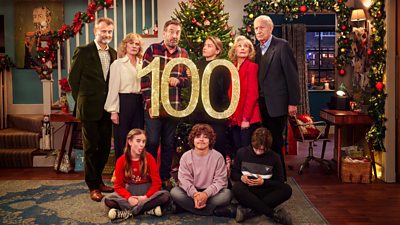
[[123, 79]]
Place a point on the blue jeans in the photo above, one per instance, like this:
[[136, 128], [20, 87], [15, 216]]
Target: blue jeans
[[162, 130]]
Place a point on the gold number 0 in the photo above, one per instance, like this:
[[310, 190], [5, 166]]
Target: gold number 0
[[154, 68], [205, 89]]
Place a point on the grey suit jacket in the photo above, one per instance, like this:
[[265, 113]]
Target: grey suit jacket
[[89, 88], [278, 77]]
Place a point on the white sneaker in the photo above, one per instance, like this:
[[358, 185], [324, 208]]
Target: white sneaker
[[155, 212], [114, 214]]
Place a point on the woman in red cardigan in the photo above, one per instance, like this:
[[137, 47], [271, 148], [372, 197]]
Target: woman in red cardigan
[[138, 184], [247, 116]]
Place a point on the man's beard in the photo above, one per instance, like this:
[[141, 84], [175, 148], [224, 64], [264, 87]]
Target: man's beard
[[172, 44], [103, 40], [106, 41]]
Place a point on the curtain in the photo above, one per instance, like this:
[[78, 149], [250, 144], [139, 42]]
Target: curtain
[[295, 34]]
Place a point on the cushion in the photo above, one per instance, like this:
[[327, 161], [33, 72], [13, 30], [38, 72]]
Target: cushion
[[309, 131]]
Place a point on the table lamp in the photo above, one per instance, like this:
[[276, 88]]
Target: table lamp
[[341, 100]]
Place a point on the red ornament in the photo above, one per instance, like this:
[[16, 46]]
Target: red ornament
[[342, 72], [339, 1], [369, 51], [108, 3], [194, 21], [345, 41], [92, 7], [379, 86], [303, 9], [248, 29], [343, 27]]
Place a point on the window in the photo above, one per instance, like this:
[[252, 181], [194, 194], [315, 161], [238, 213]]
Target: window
[[320, 45], [320, 56]]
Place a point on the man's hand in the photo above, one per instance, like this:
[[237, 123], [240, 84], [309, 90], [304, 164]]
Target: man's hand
[[292, 109], [115, 118], [200, 199], [252, 182], [189, 73], [173, 82]]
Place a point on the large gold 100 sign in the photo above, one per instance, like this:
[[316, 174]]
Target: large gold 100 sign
[[154, 69]]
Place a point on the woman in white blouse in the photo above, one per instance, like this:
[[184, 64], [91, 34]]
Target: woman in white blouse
[[124, 100]]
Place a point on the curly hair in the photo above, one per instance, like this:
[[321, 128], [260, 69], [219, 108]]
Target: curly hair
[[128, 38], [232, 51], [200, 129], [261, 137]]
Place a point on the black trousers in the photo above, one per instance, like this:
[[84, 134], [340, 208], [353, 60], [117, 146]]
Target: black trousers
[[242, 138], [96, 138], [131, 115], [262, 199], [276, 126]]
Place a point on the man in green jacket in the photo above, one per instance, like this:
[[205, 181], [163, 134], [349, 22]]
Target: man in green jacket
[[89, 78]]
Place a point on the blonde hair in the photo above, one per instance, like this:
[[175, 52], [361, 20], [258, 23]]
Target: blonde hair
[[128, 38], [217, 42], [127, 152], [232, 53]]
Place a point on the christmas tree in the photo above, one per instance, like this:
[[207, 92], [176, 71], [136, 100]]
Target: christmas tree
[[200, 19]]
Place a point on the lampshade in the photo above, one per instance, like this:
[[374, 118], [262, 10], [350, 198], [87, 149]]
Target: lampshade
[[358, 15]]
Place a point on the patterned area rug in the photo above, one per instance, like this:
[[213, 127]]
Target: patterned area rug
[[68, 202]]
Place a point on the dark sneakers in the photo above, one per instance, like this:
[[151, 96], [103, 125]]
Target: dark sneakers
[[282, 216], [243, 214]]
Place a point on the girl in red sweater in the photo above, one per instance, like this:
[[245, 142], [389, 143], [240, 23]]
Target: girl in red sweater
[[137, 185]]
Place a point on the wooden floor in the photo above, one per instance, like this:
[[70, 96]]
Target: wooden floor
[[339, 203]]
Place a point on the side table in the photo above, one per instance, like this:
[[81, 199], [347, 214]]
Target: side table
[[70, 121]]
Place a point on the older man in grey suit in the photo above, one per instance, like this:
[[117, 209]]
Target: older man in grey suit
[[278, 81]]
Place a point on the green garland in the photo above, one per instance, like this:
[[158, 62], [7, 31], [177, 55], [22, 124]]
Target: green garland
[[293, 9], [54, 38], [377, 60]]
